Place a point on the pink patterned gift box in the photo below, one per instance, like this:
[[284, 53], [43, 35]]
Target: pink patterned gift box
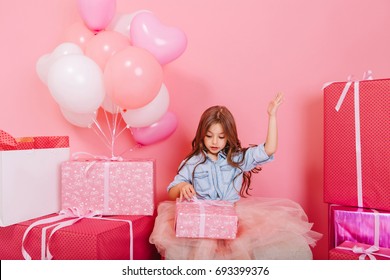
[[112, 187], [206, 219]]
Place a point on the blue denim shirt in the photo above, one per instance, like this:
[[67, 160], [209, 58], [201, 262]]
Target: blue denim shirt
[[214, 179]]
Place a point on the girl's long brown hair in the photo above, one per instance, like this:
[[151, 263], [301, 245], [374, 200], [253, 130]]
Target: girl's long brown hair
[[221, 115]]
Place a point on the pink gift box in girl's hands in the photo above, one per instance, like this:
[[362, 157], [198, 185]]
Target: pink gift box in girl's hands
[[206, 219]]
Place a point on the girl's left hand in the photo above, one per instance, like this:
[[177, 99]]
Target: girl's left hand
[[274, 104]]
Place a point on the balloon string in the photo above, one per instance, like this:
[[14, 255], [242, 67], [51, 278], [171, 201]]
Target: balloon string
[[107, 121], [119, 123], [115, 126], [123, 129], [101, 134], [115, 129]]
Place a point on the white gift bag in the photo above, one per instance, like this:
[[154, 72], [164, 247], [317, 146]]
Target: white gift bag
[[30, 183]]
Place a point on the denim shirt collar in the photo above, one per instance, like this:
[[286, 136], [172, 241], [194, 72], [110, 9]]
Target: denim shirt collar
[[221, 155]]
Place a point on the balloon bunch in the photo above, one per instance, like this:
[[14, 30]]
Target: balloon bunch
[[114, 63]]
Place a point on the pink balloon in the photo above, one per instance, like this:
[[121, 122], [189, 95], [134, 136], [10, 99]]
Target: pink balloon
[[97, 14], [105, 44], [164, 42], [156, 132], [132, 77], [78, 34]]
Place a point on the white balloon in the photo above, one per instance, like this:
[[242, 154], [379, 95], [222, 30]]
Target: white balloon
[[45, 61], [81, 120], [150, 113], [65, 49], [42, 67], [76, 83]]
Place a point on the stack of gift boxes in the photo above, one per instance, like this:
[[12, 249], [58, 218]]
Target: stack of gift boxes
[[54, 207], [357, 168]]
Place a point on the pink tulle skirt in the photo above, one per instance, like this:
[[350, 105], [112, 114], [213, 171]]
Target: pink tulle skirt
[[268, 228]]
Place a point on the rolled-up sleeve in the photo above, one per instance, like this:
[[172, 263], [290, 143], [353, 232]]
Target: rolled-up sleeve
[[184, 175], [256, 156]]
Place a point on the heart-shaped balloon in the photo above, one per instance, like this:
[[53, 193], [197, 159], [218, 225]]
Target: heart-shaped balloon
[[156, 132], [164, 42], [97, 14]]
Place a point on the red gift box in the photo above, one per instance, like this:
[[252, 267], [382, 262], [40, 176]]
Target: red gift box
[[356, 143], [87, 239], [8, 142], [358, 251]]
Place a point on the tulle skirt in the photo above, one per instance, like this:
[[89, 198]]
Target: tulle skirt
[[268, 228]]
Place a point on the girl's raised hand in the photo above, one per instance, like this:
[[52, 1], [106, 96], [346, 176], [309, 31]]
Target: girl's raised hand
[[274, 104]]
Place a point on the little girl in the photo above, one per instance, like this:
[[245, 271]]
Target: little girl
[[218, 168]]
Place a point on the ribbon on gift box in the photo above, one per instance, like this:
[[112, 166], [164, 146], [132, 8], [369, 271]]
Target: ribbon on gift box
[[66, 217], [8, 142], [366, 76], [370, 251], [202, 214], [93, 160]]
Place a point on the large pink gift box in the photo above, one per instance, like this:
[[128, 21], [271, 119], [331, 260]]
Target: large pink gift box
[[206, 219], [111, 187], [362, 225], [356, 143]]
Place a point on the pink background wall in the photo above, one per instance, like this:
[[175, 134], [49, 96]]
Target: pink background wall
[[239, 54]]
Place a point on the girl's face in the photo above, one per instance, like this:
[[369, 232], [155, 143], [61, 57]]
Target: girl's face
[[215, 140]]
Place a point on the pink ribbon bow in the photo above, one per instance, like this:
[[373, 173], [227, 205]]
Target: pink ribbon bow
[[365, 252]]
